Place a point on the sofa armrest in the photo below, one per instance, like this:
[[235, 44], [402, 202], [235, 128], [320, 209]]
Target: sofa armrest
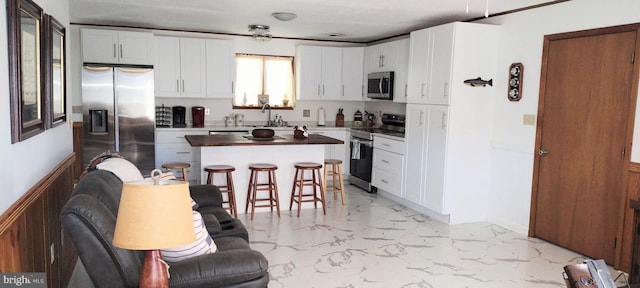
[[206, 195], [221, 269], [211, 221]]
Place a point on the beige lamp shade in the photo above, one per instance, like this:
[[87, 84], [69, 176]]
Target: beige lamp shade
[[154, 216]]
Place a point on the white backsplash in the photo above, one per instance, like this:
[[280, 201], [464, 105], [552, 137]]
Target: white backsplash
[[219, 108]]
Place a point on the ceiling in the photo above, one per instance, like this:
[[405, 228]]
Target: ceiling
[[356, 20]]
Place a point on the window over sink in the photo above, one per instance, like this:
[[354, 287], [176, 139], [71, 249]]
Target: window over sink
[[262, 79]]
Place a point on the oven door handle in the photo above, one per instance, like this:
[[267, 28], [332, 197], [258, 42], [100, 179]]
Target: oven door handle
[[365, 142]]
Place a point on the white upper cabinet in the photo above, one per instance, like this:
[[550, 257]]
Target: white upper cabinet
[[400, 92], [352, 71], [329, 73], [309, 72], [382, 57], [420, 57], [331, 83], [117, 47], [180, 69], [441, 63], [390, 56], [440, 54], [220, 68]]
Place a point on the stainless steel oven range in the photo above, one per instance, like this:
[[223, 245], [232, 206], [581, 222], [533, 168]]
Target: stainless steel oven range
[[362, 148], [361, 158]]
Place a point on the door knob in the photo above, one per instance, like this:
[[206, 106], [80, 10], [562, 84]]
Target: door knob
[[543, 152]]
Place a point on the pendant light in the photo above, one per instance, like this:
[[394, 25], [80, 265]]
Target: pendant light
[[486, 8]]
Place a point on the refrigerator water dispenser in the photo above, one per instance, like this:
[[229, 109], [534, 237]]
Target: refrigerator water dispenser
[[98, 121]]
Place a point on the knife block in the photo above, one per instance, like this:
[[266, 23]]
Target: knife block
[[339, 120]]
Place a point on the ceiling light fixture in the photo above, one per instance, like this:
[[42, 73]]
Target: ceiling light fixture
[[284, 16], [260, 32]]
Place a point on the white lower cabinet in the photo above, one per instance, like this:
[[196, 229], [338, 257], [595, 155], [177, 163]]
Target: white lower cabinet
[[388, 163], [171, 146], [415, 134], [448, 159]]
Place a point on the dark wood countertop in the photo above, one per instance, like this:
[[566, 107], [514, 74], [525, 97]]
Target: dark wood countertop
[[237, 140]]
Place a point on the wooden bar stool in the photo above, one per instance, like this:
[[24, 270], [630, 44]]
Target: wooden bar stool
[[255, 186], [300, 182], [227, 188], [336, 171], [178, 166]]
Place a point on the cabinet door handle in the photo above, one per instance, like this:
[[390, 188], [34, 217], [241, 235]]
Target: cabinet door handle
[[444, 121], [177, 85], [446, 89], [318, 89], [422, 90], [342, 90], [322, 89], [385, 144], [384, 161], [232, 92], [121, 55], [421, 118], [114, 51], [182, 85], [384, 181], [405, 90], [183, 152]]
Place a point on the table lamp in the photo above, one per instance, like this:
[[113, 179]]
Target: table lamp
[[154, 215]]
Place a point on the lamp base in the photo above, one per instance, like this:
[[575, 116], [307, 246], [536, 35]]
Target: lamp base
[[154, 272]]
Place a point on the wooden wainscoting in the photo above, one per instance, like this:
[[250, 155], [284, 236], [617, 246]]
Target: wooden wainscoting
[[31, 237], [633, 192], [78, 148]]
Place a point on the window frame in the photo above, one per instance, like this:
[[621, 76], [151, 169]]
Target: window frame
[[291, 98]]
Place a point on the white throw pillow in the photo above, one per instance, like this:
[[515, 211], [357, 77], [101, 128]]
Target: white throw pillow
[[122, 168], [203, 244]]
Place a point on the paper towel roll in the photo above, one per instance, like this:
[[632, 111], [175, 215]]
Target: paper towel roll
[[321, 117]]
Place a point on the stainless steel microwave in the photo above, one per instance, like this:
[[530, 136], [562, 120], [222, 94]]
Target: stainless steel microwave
[[380, 85]]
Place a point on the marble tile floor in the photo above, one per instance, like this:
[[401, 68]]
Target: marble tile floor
[[374, 242]]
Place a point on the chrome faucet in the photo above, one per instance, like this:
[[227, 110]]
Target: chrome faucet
[[266, 105]]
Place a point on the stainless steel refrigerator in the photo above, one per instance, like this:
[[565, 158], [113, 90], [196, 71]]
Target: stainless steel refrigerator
[[119, 113]]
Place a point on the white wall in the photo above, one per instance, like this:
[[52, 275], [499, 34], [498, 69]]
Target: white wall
[[26, 162], [513, 143]]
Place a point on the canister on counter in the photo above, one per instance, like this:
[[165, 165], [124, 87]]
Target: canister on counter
[[239, 120], [229, 121]]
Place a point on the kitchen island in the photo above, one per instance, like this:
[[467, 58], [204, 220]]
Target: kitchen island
[[241, 151]]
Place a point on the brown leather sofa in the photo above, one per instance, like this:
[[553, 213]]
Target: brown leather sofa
[[89, 219]]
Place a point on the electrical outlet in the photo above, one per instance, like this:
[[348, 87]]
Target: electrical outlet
[[306, 113], [207, 111], [52, 249], [529, 119]]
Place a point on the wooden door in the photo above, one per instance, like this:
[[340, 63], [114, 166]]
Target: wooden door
[[582, 138]]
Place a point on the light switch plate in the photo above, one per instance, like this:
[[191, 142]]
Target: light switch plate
[[306, 113], [529, 119], [207, 111]]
